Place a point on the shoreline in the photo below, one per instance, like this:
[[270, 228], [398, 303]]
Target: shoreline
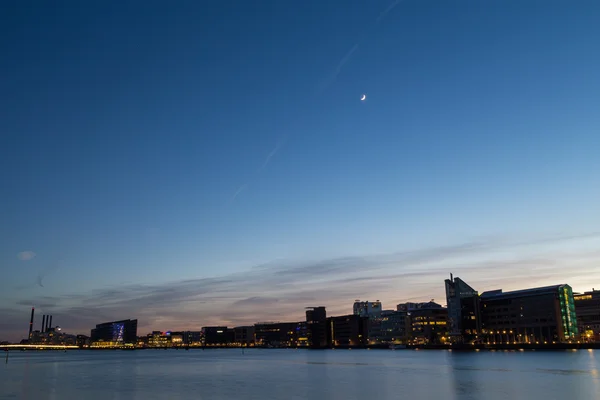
[[462, 348]]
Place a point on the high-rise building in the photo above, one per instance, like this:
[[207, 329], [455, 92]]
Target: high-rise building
[[463, 311], [587, 308], [537, 315], [367, 308], [316, 324], [117, 333]]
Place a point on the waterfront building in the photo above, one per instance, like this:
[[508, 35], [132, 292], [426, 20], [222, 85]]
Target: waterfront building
[[464, 315], [538, 315], [587, 309], [244, 335], [82, 340], [390, 327], [158, 339], [316, 323], [192, 338], [347, 331], [217, 335], [117, 333], [177, 338], [281, 334], [367, 308], [428, 323]]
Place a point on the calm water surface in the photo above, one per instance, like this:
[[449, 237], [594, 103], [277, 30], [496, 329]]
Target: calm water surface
[[300, 374]]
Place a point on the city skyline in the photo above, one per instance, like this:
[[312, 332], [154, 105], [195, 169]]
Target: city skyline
[[196, 166], [423, 276]]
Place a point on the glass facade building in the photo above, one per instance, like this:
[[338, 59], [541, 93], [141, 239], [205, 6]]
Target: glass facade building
[[115, 333], [464, 311], [538, 315]]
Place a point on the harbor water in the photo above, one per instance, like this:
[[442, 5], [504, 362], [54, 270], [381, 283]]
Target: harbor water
[[301, 374]]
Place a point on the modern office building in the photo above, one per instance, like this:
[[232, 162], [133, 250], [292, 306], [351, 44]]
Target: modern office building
[[464, 314], [367, 308], [587, 309], [316, 324], [244, 335], [117, 333], [281, 334], [393, 328], [217, 335], [537, 315], [158, 339], [192, 338], [428, 323], [347, 331]]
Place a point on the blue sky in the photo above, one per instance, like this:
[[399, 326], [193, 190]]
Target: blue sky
[[150, 148]]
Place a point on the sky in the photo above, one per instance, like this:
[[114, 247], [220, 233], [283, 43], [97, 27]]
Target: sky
[[206, 163]]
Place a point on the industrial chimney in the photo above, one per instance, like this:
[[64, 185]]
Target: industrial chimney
[[50, 323], [43, 323], [47, 323], [31, 321]]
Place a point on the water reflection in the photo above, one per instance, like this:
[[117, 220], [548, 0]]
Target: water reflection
[[282, 374]]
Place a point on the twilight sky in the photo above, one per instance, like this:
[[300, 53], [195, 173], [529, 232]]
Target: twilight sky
[[201, 162]]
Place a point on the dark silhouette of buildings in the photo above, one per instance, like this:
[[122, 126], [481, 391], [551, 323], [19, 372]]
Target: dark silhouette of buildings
[[244, 335], [587, 309], [217, 335], [347, 331], [115, 333], [537, 315], [316, 322], [281, 334]]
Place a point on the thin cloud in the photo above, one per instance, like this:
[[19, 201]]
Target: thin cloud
[[387, 11], [332, 78], [327, 82], [238, 192], [273, 152], [280, 290], [26, 255]]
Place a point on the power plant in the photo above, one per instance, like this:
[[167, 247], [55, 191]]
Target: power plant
[[46, 323]]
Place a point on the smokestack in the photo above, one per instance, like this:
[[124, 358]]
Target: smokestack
[[50, 324], [31, 321], [43, 323], [47, 323]]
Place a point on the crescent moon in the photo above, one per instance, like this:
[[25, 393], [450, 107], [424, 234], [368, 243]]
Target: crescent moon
[[363, 98]]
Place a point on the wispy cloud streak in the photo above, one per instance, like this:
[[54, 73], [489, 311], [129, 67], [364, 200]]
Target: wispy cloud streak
[[387, 11], [332, 78], [273, 152], [327, 82], [240, 189], [290, 285]]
